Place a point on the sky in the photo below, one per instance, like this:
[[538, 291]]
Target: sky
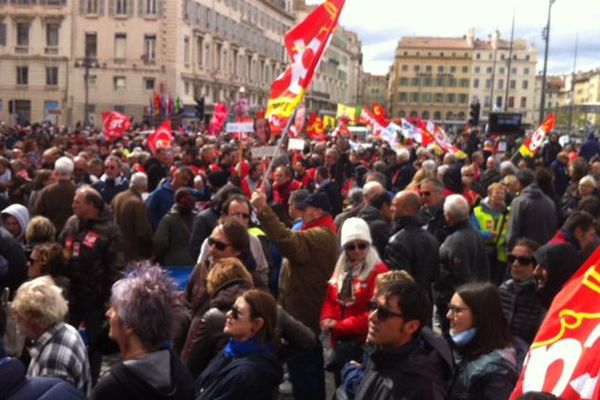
[[381, 23]]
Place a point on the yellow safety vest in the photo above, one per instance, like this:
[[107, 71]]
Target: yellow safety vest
[[486, 224]]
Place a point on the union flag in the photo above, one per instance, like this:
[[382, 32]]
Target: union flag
[[379, 114], [305, 43], [563, 359], [315, 128], [532, 145], [115, 125], [162, 137]]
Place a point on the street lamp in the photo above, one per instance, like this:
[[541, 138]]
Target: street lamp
[[87, 63], [546, 36]]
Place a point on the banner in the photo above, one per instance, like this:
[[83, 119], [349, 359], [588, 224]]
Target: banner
[[430, 131], [563, 359], [305, 44], [409, 131], [328, 122], [379, 114], [533, 143], [346, 111], [115, 125], [162, 137], [217, 121], [314, 127], [368, 118]]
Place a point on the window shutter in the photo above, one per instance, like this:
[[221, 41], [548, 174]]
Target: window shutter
[[2, 34], [100, 7], [82, 6], [130, 5], [111, 7], [141, 8]]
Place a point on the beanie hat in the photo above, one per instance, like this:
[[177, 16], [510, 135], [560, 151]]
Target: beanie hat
[[355, 229]]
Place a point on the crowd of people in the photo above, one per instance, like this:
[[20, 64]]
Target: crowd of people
[[403, 272]]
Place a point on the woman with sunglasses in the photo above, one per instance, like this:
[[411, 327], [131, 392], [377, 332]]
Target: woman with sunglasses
[[247, 367], [344, 315], [484, 356], [227, 280], [520, 302]]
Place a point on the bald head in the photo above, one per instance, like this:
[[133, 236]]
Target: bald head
[[406, 204]]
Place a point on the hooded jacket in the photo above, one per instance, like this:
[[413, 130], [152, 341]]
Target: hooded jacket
[[21, 214], [561, 261], [159, 376], [172, 237], [532, 216], [379, 227], [418, 370]]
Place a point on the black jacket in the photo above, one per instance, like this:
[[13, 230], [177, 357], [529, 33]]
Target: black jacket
[[333, 190], [533, 215], [522, 308], [255, 376], [123, 383], [414, 250], [436, 223], [418, 370], [378, 226], [13, 265], [462, 259]]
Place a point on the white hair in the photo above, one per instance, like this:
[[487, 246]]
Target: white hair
[[429, 166], [64, 167], [403, 154], [588, 180], [139, 180], [457, 207], [371, 188], [508, 165], [43, 300]]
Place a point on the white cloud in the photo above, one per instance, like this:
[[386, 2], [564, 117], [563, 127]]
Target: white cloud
[[381, 23]]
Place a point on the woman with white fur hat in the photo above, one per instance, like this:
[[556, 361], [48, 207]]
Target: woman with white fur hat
[[344, 315]]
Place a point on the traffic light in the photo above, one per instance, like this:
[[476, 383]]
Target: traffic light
[[474, 114], [200, 108]]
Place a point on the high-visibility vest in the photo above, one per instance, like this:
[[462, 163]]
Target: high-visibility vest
[[487, 224]]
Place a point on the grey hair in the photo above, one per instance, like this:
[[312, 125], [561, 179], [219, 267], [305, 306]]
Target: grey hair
[[372, 187], [42, 299], [64, 167], [139, 180], [508, 166], [588, 179], [429, 167], [146, 301], [403, 154], [457, 207]]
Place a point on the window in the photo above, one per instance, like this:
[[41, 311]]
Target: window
[[439, 82], [523, 102], [150, 7], [441, 69], [475, 83], [428, 68], [91, 45], [414, 82], [501, 70], [452, 69], [119, 83], [52, 35], [402, 96], [525, 84], [149, 83], [200, 50], [414, 97], [511, 101], [464, 82], [120, 47], [405, 68], [22, 34], [150, 48], [478, 56], [463, 98], [91, 6], [488, 83], [451, 82], [499, 101], [186, 50], [416, 68], [427, 81], [487, 101], [2, 34], [438, 98], [22, 75], [426, 97], [403, 81], [500, 83], [121, 7], [526, 71], [513, 84], [465, 69], [450, 98], [488, 70], [477, 69], [51, 76], [437, 116], [513, 71]]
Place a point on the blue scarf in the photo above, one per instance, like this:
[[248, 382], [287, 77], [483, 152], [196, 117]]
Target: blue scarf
[[236, 349]]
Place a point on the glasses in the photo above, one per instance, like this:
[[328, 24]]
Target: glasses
[[354, 246], [240, 215], [235, 312], [218, 244], [520, 259], [456, 310], [425, 194], [383, 313]]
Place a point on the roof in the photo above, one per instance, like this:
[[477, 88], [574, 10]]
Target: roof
[[417, 42]]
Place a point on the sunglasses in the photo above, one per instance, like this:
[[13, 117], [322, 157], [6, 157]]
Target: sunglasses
[[520, 259], [240, 215], [425, 194], [383, 313], [219, 245], [354, 246], [235, 312]]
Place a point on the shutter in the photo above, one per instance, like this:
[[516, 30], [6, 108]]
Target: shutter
[[130, 5], [82, 7], [159, 4], [101, 7], [141, 8], [2, 34], [111, 7]]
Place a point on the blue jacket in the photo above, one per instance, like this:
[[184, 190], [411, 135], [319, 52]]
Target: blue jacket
[[160, 202], [590, 147], [109, 188], [15, 386]]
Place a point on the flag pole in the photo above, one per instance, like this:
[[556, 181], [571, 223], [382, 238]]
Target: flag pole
[[281, 140]]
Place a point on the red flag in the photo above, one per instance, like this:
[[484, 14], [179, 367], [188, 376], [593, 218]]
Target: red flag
[[217, 122], [161, 137], [379, 114], [315, 128], [115, 125], [305, 43], [532, 145], [563, 359], [368, 118]]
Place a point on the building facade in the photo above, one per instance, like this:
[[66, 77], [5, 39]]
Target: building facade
[[374, 90], [35, 59], [438, 78]]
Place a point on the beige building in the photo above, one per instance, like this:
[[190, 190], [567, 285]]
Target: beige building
[[585, 92], [374, 90], [438, 78], [35, 55]]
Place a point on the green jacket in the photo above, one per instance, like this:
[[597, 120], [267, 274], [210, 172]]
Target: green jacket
[[311, 256], [487, 222]]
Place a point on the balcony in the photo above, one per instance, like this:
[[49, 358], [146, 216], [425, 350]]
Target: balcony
[[51, 50], [21, 49]]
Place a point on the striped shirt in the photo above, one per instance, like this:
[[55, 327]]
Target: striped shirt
[[60, 353]]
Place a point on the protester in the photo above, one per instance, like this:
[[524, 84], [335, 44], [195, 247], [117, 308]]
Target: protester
[[15, 218], [142, 314], [247, 367], [556, 263], [54, 201]]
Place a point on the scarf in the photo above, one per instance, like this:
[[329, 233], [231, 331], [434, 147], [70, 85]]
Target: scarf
[[237, 349]]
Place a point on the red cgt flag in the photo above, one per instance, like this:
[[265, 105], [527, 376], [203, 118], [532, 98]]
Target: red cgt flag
[[162, 137], [115, 125], [379, 114], [315, 128], [563, 359], [533, 143], [306, 44]]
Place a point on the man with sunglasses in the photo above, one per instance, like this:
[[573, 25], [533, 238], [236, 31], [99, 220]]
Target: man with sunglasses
[[520, 302], [432, 196], [405, 359]]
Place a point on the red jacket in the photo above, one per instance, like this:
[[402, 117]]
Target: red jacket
[[281, 194], [353, 320]]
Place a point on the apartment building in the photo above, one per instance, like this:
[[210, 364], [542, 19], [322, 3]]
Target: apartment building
[[35, 54], [374, 90]]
